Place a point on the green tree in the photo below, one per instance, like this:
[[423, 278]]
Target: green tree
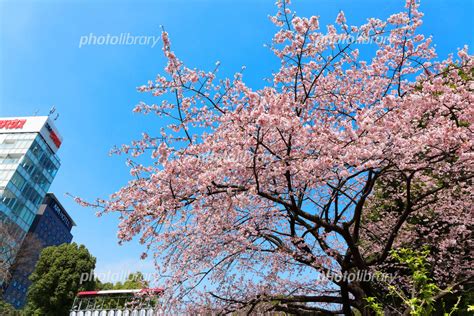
[[421, 297], [56, 279], [8, 310], [134, 281], [103, 286]]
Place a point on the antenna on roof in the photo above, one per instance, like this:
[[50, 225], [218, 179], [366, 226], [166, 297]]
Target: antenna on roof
[[36, 112], [52, 110], [57, 115]]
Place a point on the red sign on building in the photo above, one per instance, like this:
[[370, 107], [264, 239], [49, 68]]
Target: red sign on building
[[12, 124], [54, 136]]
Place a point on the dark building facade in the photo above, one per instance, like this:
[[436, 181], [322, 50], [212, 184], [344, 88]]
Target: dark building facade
[[51, 227]]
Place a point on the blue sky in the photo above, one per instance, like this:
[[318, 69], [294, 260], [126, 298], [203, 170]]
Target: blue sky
[[93, 87]]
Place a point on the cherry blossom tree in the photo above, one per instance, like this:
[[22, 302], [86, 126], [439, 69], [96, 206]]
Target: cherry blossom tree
[[252, 196], [13, 258], [8, 250]]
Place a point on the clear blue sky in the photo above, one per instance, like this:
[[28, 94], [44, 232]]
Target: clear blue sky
[[93, 87]]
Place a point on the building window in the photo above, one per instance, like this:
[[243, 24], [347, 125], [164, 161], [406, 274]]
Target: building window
[[18, 181]]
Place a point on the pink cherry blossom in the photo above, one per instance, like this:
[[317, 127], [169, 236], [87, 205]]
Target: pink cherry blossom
[[250, 195]]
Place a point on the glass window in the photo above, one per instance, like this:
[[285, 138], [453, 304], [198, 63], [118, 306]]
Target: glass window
[[30, 194], [18, 181], [7, 143], [10, 158], [28, 165], [36, 149], [9, 199]]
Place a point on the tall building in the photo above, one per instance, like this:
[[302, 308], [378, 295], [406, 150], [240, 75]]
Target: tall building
[[51, 227], [28, 165]]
